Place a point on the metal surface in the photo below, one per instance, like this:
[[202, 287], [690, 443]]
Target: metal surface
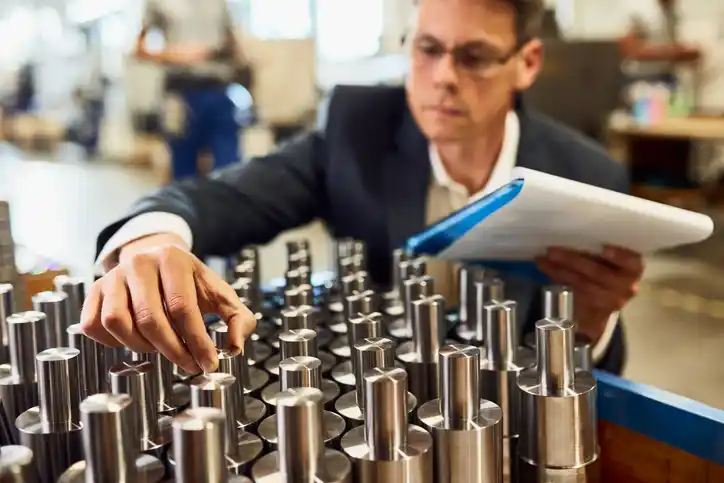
[[558, 302], [558, 403], [582, 349], [55, 306], [7, 308], [393, 297], [74, 288], [251, 378], [170, 398], [52, 430], [301, 456], [330, 392], [299, 343], [109, 445], [16, 465], [250, 411], [301, 372], [528, 473], [361, 326], [420, 354], [501, 363], [18, 389], [199, 439], [300, 317], [246, 289], [92, 374], [461, 419], [481, 291], [219, 390], [136, 379], [369, 354], [386, 448], [302, 295], [414, 289], [333, 426]]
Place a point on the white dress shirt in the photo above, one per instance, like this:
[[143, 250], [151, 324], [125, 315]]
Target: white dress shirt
[[445, 196]]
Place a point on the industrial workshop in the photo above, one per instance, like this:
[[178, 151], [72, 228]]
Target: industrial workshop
[[361, 241]]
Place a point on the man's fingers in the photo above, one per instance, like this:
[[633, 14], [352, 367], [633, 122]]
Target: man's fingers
[[179, 290], [218, 297], [90, 318], [593, 294], [627, 260], [116, 314], [148, 312]]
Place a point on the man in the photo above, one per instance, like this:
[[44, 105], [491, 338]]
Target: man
[[651, 44], [201, 59], [389, 162]]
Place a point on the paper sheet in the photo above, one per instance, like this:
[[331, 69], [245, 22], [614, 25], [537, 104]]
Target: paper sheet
[[553, 211]]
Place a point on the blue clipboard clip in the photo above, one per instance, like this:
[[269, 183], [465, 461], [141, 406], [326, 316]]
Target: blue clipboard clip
[[440, 236]]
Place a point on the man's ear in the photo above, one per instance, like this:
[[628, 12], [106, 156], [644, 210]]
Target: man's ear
[[530, 62]]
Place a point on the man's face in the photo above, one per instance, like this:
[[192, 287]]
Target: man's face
[[465, 66]]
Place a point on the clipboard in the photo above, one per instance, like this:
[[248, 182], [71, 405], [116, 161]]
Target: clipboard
[[507, 229]]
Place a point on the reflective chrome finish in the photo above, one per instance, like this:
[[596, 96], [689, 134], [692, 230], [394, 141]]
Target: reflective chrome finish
[[55, 306], [481, 291], [74, 288], [170, 398], [250, 410], [414, 288], [7, 308], [92, 375]]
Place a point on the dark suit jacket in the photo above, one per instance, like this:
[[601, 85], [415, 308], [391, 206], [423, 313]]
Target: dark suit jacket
[[365, 173]]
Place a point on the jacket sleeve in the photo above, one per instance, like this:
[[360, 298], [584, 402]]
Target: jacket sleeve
[[247, 203]]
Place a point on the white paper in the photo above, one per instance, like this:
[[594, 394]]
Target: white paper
[[552, 211]]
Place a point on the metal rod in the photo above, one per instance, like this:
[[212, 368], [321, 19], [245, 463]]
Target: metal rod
[[299, 317], [135, 379], [467, 276], [398, 256], [74, 288], [7, 308], [459, 384], [107, 437], [485, 291], [554, 339], [369, 354], [229, 364], [408, 269], [301, 342], [216, 390], [501, 329], [199, 440], [91, 354], [25, 333], [364, 327], [558, 302], [428, 332], [385, 412], [55, 307], [299, 428], [163, 376], [300, 372], [359, 304], [415, 288], [58, 385]]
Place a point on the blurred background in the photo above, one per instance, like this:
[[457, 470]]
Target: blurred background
[[80, 136]]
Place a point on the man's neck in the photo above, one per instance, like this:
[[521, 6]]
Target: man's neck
[[470, 162]]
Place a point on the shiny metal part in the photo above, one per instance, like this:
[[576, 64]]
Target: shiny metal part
[[55, 306], [558, 302], [170, 398], [7, 308], [18, 388], [92, 374], [109, 444], [298, 259], [301, 372], [386, 448], [74, 288], [302, 455], [199, 439], [250, 411], [300, 317], [420, 355], [414, 288], [52, 430], [296, 343], [481, 291], [558, 403], [460, 419], [136, 379], [364, 325], [393, 297], [17, 465], [254, 349], [370, 353], [247, 289]]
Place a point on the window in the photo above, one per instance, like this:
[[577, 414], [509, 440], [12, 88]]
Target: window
[[349, 29]]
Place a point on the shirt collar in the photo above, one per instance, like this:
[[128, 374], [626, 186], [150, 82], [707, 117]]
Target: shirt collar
[[503, 165]]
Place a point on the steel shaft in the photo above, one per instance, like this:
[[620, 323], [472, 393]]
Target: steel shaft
[[481, 291], [300, 372], [199, 439], [92, 373], [74, 288], [56, 308], [7, 308]]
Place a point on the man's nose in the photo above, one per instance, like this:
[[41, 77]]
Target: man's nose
[[446, 73]]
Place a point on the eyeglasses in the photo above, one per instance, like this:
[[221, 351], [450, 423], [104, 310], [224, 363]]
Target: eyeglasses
[[476, 59]]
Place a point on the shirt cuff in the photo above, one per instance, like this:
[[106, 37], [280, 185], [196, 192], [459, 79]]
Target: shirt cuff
[[143, 225], [601, 347]]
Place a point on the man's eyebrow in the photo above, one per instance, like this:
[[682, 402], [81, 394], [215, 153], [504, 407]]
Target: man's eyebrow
[[470, 44]]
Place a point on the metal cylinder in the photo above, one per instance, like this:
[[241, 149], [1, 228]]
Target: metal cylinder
[[199, 439], [467, 276], [364, 327], [360, 303], [558, 302], [249, 411], [299, 259], [386, 448], [398, 256], [350, 265], [413, 289], [91, 357], [407, 269], [299, 296], [247, 290], [216, 390], [26, 340], [482, 290], [301, 342], [345, 249], [55, 307], [74, 288], [357, 282], [299, 317], [370, 353], [300, 372], [16, 465], [135, 379], [558, 404], [7, 308], [299, 428], [170, 398], [460, 419], [58, 385]]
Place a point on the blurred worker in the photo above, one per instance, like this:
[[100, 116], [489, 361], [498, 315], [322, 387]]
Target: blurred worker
[[389, 161], [201, 58], [651, 45]]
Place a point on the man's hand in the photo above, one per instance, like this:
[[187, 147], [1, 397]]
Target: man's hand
[[602, 284], [153, 301], [686, 53]]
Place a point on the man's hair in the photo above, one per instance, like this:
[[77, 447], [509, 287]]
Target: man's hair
[[528, 17]]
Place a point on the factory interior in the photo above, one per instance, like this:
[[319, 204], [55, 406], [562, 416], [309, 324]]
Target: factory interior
[[89, 142]]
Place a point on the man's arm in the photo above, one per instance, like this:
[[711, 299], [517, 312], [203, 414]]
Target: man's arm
[[244, 204], [635, 47]]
